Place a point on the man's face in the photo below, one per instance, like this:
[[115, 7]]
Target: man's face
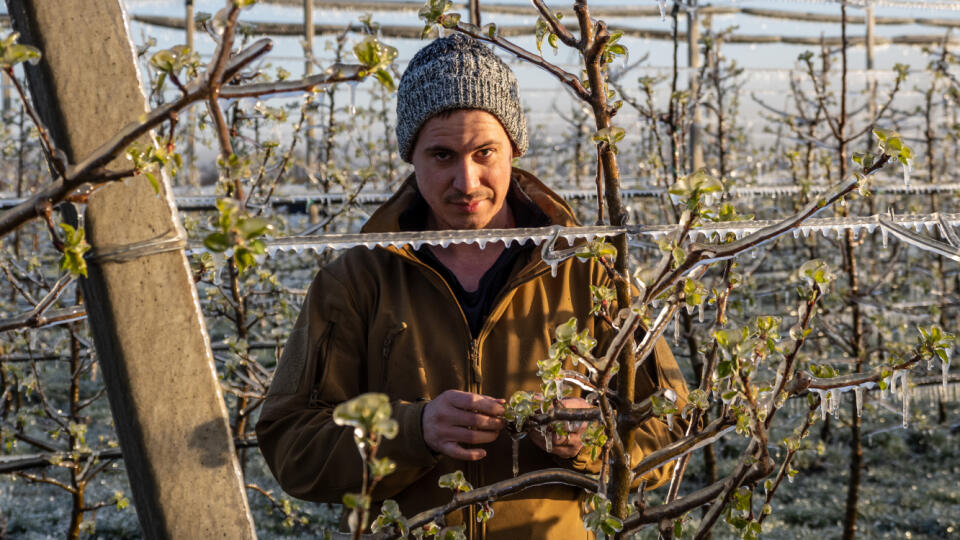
[[462, 162]]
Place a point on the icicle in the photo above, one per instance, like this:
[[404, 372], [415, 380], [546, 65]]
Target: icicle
[[858, 394], [700, 313], [516, 452], [547, 439], [553, 268], [906, 175], [353, 97], [690, 309], [670, 421], [883, 237], [823, 403], [663, 9]]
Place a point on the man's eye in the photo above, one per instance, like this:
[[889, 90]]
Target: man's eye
[[441, 155], [485, 152]]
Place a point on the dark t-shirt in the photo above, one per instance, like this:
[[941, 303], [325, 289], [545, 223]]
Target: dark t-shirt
[[478, 304]]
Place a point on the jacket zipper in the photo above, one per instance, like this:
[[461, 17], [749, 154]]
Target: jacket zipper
[[475, 374]]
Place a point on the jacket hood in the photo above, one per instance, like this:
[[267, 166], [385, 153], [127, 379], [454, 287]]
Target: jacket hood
[[387, 217]]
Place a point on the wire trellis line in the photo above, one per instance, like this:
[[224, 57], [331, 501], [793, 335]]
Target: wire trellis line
[[710, 231]]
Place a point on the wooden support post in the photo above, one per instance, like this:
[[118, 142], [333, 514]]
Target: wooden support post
[[144, 312], [693, 62], [307, 71], [191, 30]]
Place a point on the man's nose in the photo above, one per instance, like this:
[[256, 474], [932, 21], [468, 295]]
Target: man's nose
[[467, 176]]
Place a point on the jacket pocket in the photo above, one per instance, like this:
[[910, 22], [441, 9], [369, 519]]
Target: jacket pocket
[[387, 350], [319, 358]]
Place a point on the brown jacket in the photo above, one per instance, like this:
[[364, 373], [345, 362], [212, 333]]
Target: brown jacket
[[382, 321]]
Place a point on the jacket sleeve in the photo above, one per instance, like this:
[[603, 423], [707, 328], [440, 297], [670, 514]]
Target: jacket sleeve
[[323, 365]]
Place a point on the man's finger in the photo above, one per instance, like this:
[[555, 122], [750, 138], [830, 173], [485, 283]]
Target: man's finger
[[478, 403], [475, 421], [456, 451]]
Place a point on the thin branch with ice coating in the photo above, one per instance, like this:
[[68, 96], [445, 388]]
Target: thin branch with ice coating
[[927, 244], [705, 254]]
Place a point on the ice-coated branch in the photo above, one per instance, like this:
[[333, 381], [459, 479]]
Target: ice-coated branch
[[89, 168], [564, 76], [785, 465], [689, 502], [561, 31], [645, 347], [790, 359], [52, 152], [949, 251], [16, 463], [32, 318], [803, 381], [706, 381], [734, 480], [879, 114], [947, 231], [214, 82], [217, 66], [499, 489], [344, 73], [704, 254], [679, 448]]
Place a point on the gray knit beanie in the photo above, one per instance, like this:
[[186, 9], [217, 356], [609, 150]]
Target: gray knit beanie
[[457, 72]]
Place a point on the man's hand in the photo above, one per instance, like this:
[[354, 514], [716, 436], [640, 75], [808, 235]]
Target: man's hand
[[456, 418], [569, 445]]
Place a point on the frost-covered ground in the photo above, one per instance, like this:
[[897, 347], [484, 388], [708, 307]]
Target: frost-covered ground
[[910, 484], [911, 489]]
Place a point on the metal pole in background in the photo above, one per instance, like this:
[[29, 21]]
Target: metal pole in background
[[144, 313], [192, 175], [475, 12], [7, 102], [871, 41], [693, 61], [871, 80], [307, 71]]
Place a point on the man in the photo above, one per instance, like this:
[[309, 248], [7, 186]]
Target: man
[[447, 333]]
